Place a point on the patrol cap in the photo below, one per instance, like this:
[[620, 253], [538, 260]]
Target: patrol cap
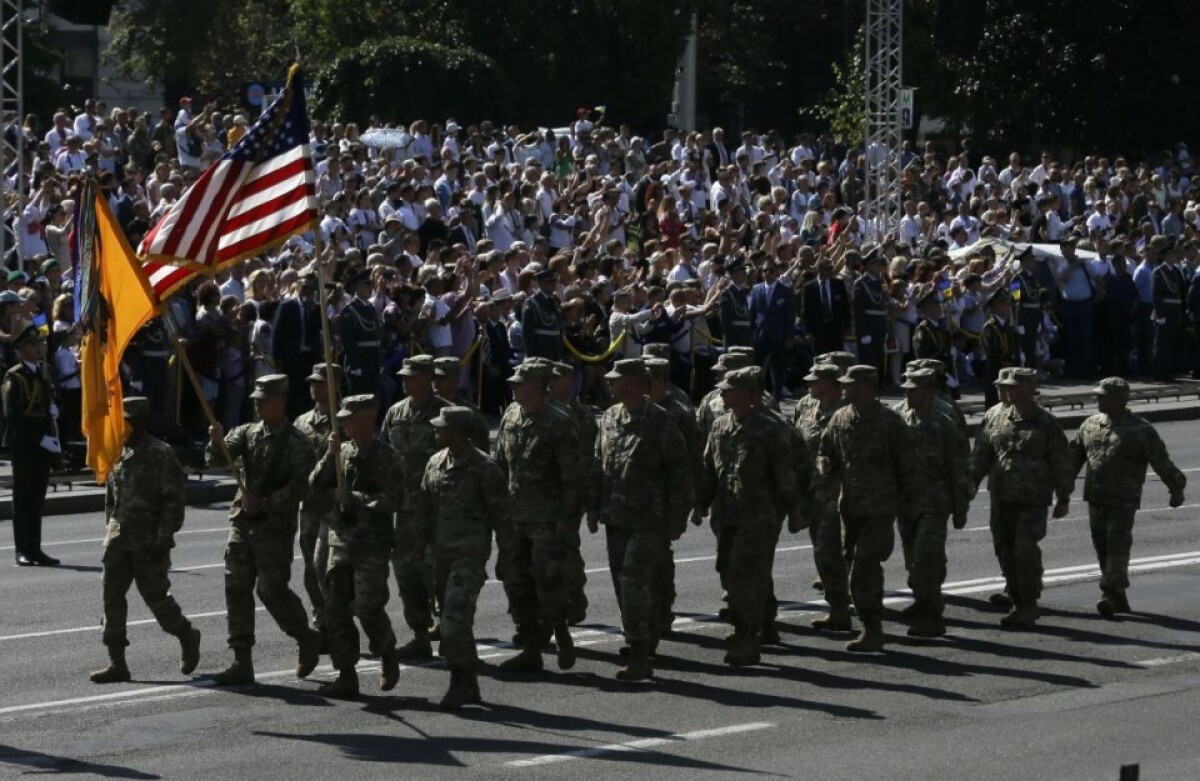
[[730, 361], [658, 367], [629, 367], [416, 366], [748, 379], [741, 349], [446, 366], [562, 369], [457, 417], [352, 405], [319, 373], [823, 371], [928, 363], [1019, 376], [657, 350], [860, 373], [839, 358], [270, 385], [531, 372], [1116, 387], [136, 407], [920, 378]]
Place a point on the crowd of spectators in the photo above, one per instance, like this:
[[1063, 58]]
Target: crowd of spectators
[[492, 243]]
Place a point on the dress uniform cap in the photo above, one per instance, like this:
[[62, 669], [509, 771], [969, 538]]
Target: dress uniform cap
[[827, 371], [546, 273], [1019, 376], [1001, 294], [319, 374], [270, 385], [1026, 253], [446, 366], [352, 405], [749, 378], [416, 366], [1113, 386], [458, 417], [860, 373], [135, 407], [920, 378], [30, 335], [628, 367]]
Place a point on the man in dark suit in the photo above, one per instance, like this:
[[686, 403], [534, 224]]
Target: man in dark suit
[[32, 440], [296, 342], [718, 154], [870, 312], [773, 312], [826, 309], [464, 230]]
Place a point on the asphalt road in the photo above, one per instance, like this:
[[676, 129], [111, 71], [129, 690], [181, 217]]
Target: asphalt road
[[1073, 699]]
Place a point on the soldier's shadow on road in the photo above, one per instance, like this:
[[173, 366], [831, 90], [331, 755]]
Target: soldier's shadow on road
[[268, 691], [77, 568], [48, 764]]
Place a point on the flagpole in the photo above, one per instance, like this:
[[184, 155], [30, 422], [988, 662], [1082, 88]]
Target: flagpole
[[327, 348], [181, 352]]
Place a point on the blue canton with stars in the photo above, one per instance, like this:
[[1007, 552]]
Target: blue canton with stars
[[291, 132]]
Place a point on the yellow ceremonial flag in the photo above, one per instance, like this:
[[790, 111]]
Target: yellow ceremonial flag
[[116, 300]]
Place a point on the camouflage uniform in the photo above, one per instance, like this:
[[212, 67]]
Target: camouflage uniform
[[143, 502], [315, 513], [275, 467], [360, 542], [1117, 451], [584, 418], [1026, 460], [406, 427], [461, 500], [538, 454]]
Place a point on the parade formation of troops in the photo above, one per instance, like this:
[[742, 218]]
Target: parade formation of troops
[[418, 495]]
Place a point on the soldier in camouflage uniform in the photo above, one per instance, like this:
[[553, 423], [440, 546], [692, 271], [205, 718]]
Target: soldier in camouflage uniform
[[407, 428], [316, 425], [584, 417], [711, 407], [537, 451], [999, 598], [461, 502], [1024, 454], [748, 484], [824, 525], [641, 493], [685, 417], [276, 460], [143, 502], [866, 448], [662, 350], [1117, 446], [938, 464], [360, 541], [942, 399], [446, 372]]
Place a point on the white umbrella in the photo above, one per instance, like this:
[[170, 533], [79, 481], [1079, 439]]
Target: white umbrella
[[388, 138]]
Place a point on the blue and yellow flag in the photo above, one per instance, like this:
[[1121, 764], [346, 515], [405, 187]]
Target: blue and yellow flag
[[1014, 287]]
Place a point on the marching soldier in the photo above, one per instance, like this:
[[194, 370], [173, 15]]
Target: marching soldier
[[641, 494], [276, 460], [30, 435], [461, 502], [408, 429], [942, 399], [748, 484], [711, 407], [866, 449], [360, 540], [1117, 446], [143, 503], [446, 372], [938, 463], [1029, 305], [1024, 454], [359, 331], [584, 417], [999, 340], [315, 510], [537, 451]]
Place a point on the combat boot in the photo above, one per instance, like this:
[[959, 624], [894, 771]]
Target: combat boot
[[309, 654], [529, 660], [1000, 599], [769, 634], [464, 689], [927, 623], [189, 651], [117, 671], [389, 675], [743, 651], [577, 612], [344, 688], [1023, 616], [911, 611], [818, 586], [566, 646], [240, 673], [870, 640], [1111, 604], [419, 648], [838, 620], [637, 666]]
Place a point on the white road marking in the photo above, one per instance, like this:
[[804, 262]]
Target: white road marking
[[223, 530], [1084, 517], [1165, 660], [641, 745]]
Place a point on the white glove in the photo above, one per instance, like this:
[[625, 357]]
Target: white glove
[[1161, 320], [951, 382], [1021, 330], [866, 340], [50, 444], [53, 410]]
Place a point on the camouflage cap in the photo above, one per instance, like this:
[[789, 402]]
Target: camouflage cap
[[531, 371], [1116, 387], [1019, 376], [843, 360], [446, 366], [456, 417], [657, 350], [658, 368], [417, 366], [270, 385], [920, 378], [860, 373], [749, 379], [352, 405], [562, 369], [319, 374], [823, 371], [928, 363], [629, 367], [740, 349], [731, 361], [136, 407]]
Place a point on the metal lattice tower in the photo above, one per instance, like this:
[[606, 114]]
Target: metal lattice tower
[[885, 78], [12, 115]]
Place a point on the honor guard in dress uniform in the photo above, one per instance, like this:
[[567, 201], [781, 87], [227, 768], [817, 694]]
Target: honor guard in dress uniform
[[999, 340], [1168, 290], [930, 339], [359, 331], [870, 311], [734, 306], [541, 320], [1029, 306]]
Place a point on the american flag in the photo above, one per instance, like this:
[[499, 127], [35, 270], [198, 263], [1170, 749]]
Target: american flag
[[255, 196]]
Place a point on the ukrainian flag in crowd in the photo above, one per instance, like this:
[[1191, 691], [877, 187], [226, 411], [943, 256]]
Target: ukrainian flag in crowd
[[1014, 287], [42, 324], [945, 289]]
